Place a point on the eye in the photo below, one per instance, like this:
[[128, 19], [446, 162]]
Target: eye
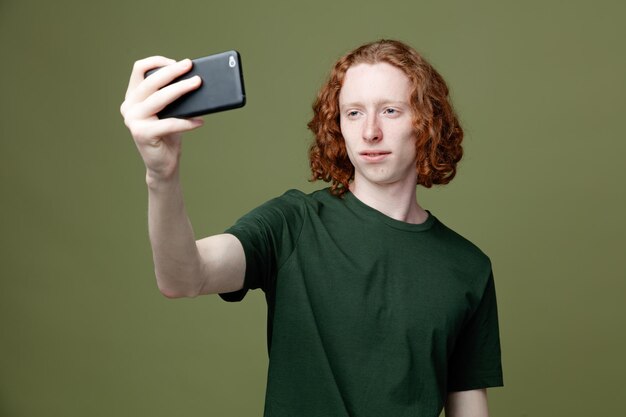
[[390, 111], [352, 114]]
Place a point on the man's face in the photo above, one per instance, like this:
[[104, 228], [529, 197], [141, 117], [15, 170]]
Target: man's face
[[376, 123]]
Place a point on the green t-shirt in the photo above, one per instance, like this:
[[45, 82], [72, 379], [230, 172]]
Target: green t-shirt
[[367, 315]]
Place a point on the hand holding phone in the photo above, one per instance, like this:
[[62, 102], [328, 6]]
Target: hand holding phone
[[158, 141], [222, 87]]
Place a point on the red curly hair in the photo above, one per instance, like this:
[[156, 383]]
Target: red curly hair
[[437, 128]]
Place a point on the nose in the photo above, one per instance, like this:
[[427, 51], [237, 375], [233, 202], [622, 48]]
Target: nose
[[371, 130]]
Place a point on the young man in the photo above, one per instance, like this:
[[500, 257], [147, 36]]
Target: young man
[[375, 307]]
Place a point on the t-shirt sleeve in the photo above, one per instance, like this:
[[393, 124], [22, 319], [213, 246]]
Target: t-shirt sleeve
[[476, 360], [268, 235]]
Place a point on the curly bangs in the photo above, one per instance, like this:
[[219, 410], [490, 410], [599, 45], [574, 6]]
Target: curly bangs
[[439, 134]]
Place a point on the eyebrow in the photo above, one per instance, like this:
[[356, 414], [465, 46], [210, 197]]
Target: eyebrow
[[377, 104]]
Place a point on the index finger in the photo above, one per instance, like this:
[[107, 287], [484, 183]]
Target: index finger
[[143, 65]]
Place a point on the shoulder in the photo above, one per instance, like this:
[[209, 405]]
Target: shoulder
[[297, 200], [463, 253], [290, 207]]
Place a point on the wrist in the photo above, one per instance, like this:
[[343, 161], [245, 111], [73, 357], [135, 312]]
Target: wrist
[[156, 181]]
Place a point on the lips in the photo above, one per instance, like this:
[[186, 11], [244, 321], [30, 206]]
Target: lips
[[374, 156], [374, 153]]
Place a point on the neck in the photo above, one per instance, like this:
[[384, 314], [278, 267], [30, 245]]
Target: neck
[[396, 201]]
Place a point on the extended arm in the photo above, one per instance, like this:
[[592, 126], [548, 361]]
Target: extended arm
[[467, 404], [183, 267]]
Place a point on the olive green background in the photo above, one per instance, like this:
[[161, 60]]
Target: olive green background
[[538, 85]]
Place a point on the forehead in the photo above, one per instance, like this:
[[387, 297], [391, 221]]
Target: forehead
[[380, 81]]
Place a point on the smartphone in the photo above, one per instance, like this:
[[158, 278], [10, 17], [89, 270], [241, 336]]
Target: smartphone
[[222, 87]]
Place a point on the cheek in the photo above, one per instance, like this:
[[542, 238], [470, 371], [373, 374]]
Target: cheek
[[409, 135], [346, 128], [348, 133], [409, 145]]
